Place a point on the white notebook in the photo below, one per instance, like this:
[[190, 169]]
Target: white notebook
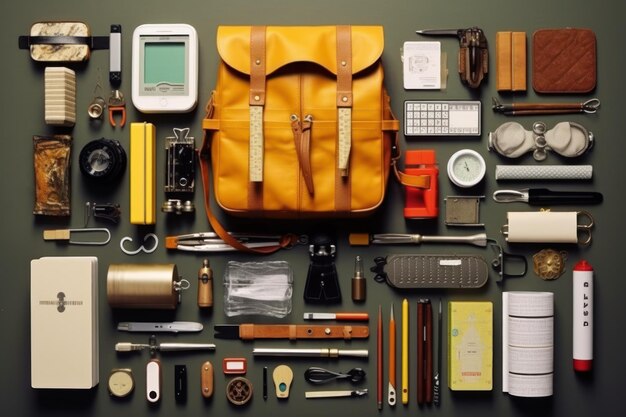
[[64, 322]]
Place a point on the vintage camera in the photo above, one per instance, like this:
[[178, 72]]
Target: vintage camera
[[181, 162]]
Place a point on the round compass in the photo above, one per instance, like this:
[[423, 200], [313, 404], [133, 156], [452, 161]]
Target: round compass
[[102, 159], [466, 168]]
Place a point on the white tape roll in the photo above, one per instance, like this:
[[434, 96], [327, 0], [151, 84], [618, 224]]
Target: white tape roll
[[530, 385], [531, 361], [542, 227], [531, 333], [530, 304]]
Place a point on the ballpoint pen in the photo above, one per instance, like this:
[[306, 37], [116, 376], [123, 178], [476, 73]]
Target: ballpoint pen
[[424, 352], [428, 344], [421, 335], [391, 393], [437, 379], [379, 360], [405, 351]]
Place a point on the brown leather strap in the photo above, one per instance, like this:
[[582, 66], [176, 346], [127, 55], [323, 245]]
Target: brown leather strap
[[257, 66], [419, 181], [302, 138], [301, 331], [344, 66], [255, 196], [343, 193]]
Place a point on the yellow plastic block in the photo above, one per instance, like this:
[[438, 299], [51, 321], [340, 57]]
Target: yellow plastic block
[[142, 173], [470, 346]]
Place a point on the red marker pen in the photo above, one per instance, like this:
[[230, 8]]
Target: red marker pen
[[583, 316]]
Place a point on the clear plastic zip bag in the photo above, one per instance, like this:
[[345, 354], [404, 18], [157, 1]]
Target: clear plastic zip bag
[[258, 288]]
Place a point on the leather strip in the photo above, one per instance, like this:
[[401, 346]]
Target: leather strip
[[419, 181], [257, 65], [344, 66], [257, 101], [301, 331], [343, 196], [343, 193], [255, 196], [344, 96], [302, 138]]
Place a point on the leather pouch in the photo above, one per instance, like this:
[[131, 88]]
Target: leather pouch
[[52, 174], [564, 60]]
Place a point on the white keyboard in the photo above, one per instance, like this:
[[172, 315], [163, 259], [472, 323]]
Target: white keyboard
[[441, 118]]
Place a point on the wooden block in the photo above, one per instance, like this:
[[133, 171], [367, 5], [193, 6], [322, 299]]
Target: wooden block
[[511, 61]]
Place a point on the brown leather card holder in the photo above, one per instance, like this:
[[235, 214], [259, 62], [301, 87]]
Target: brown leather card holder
[[564, 60]]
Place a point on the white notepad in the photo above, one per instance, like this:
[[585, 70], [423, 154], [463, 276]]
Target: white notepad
[[64, 322], [422, 65]]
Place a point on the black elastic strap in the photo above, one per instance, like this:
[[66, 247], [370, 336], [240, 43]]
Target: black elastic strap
[[93, 42]]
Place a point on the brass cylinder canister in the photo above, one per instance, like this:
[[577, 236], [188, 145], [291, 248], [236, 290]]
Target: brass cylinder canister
[[143, 286]]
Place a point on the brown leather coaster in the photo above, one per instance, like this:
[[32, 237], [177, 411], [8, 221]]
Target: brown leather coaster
[[564, 60]]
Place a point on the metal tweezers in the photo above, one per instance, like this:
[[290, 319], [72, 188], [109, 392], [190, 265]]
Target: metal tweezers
[[520, 109]]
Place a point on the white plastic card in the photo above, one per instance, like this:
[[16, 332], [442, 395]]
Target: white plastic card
[[422, 65]]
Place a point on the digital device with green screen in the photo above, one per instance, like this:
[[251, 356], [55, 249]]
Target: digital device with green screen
[[165, 68]]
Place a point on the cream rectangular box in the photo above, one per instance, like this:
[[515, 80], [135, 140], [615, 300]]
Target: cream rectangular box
[[470, 345], [64, 322]]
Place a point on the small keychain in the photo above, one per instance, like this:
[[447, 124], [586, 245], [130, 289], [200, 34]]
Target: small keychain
[[117, 104], [97, 105]]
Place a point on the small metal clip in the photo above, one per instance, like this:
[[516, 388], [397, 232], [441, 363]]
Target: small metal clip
[[584, 228], [97, 105], [117, 104], [107, 211], [498, 263], [591, 106]]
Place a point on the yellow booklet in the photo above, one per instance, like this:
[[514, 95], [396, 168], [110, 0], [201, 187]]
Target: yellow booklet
[[470, 345]]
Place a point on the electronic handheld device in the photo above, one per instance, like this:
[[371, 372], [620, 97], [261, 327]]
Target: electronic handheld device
[[441, 118], [165, 68]]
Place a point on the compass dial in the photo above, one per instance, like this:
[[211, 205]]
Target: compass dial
[[466, 168]]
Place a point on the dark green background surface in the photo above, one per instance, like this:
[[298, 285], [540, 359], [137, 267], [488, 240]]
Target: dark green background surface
[[20, 237]]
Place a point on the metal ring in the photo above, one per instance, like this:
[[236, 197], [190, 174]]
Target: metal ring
[[181, 285]]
